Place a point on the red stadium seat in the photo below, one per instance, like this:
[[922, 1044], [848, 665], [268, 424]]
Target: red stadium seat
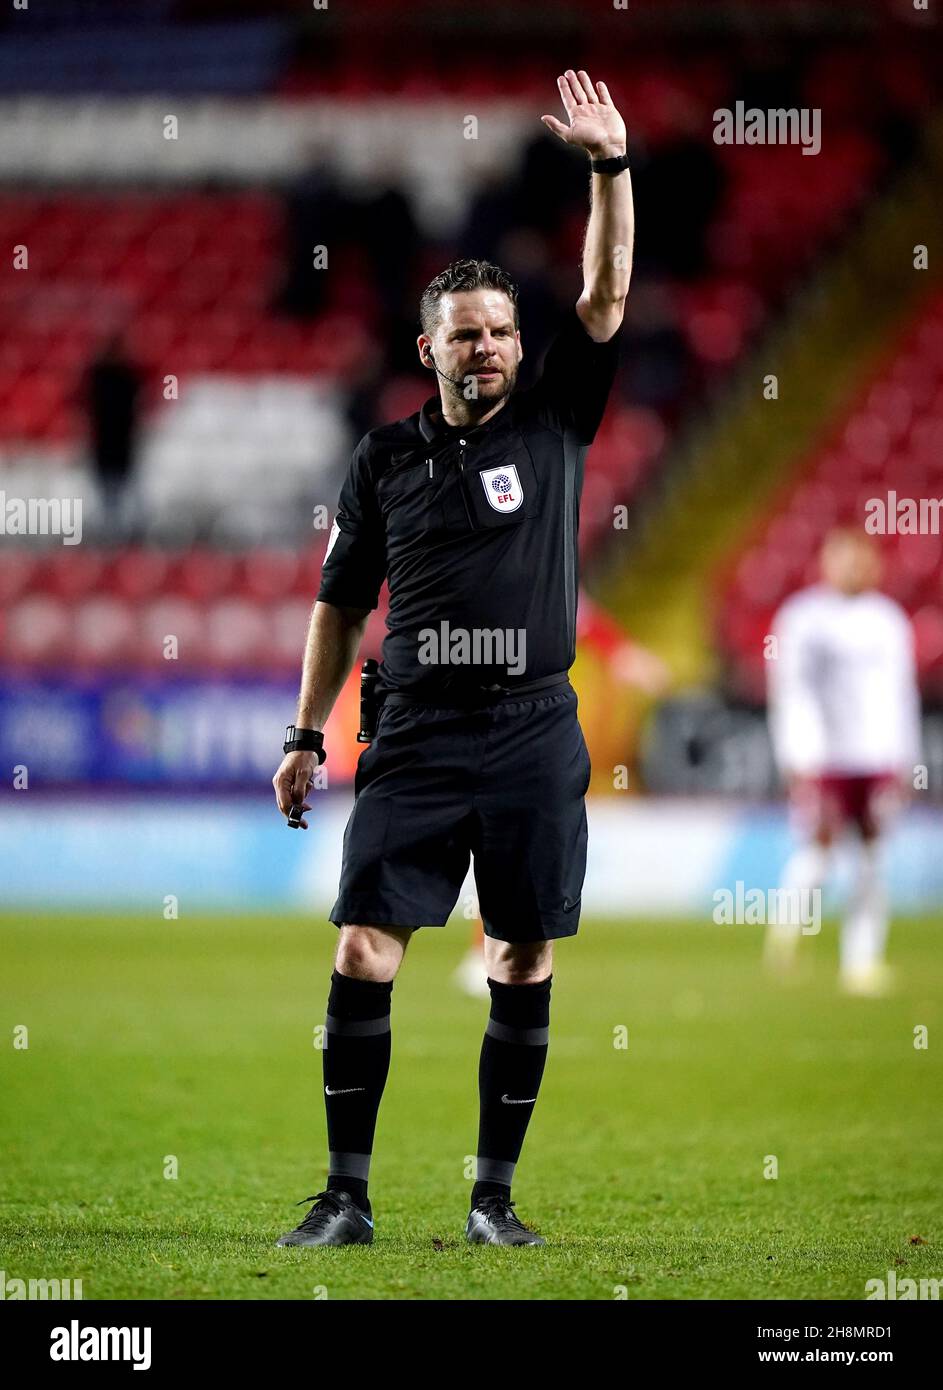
[[138, 574], [891, 440], [170, 618], [38, 631]]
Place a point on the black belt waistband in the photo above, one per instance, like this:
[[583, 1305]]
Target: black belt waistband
[[484, 696]]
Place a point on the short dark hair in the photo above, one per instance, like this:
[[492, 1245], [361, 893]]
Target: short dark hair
[[461, 276]]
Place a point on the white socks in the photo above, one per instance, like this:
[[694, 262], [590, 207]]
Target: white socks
[[806, 868], [864, 930]]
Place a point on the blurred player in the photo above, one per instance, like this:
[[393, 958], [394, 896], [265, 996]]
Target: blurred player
[[629, 664], [844, 715]]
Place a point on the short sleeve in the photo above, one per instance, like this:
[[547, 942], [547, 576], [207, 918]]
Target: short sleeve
[[354, 566], [574, 384], [796, 721], [905, 666]]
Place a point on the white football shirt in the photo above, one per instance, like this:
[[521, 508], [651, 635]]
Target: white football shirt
[[842, 684]]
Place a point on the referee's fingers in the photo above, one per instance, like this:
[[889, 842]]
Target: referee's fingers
[[282, 782], [294, 779], [291, 786]]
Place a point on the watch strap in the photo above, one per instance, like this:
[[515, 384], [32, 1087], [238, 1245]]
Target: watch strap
[[615, 165], [304, 741]]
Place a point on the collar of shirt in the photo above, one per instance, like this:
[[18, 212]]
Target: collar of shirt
[[432, 426]]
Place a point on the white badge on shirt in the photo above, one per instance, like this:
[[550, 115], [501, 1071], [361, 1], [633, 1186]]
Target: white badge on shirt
[[502, 488]]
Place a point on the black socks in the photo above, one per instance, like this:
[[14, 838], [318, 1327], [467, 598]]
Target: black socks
[[357, 1060], [513, 1054], [356, 1063]]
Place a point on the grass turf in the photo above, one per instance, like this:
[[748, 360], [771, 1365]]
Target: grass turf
[[643, 1166]]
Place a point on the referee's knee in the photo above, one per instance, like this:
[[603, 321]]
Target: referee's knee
[[518, 963], [371, 953]]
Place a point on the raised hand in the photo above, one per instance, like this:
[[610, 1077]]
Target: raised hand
[[595, 124]]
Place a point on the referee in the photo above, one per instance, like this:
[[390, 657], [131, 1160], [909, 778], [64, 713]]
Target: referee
[[470, 508]]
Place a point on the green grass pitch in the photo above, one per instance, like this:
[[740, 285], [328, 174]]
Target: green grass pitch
[[644, 1164]]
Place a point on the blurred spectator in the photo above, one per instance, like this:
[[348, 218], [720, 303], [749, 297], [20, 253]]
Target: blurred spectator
[[389, 235], [552, 180], [656, 360], [112, 393], [679, 186], [318, 212], [491, 211]]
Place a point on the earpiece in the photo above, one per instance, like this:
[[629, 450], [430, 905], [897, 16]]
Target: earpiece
[[429, 360]]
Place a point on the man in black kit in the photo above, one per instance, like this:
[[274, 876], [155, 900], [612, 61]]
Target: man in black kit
[[470, 508]]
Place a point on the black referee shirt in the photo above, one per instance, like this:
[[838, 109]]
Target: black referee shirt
[[475, 527]]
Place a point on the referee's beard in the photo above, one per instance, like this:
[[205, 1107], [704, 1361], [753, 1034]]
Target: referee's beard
[[490, 393]]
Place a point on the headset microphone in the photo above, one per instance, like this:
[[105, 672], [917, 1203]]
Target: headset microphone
[[460, 382]]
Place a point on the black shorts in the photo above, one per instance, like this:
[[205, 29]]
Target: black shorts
[[505, 784]]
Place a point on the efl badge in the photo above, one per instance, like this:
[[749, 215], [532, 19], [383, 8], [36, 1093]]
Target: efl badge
[[502, 488]]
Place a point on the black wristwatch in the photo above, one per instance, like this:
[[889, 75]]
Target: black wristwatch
[[304, 741], [615, 165]]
